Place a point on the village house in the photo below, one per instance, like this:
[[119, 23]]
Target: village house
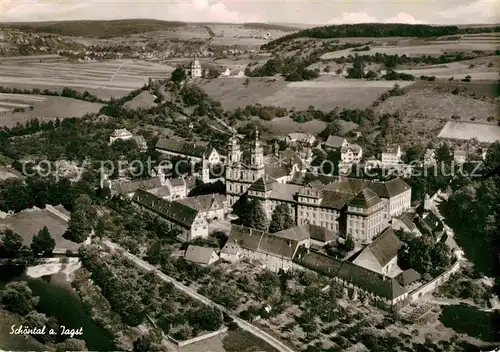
[[124, 134], [196, 153], [203, 256], [391, 156], [188, 222], [405, 223], [351, 154], [302, 138], [335, 143], [460, 156], [273, 252], [211, 206], [381, 256], [430, 157]]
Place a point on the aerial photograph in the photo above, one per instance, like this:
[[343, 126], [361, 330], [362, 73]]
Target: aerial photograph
[[249, 176]]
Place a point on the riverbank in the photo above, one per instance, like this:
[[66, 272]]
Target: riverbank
[[99, 309], [10, 342], [52, 266]]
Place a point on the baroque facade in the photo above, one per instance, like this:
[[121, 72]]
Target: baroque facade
[[347, 206]]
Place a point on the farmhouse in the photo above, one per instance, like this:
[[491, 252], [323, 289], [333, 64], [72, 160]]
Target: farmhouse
[[381, 255], [299, 137], [460, 156], [124, 134], [203, 256], [189, 222], [191, 151], [351, 154], [335, 143], [391, 156], [405, 223]]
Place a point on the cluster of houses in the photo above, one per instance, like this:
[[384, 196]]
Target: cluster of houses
[[196, 69]]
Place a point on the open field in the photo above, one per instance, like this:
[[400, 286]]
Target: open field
[[458, 70], [419, 50], [105, 79], [28, 223], [479, 88], [283, 125], [434, 106], [44, 107], [325, 93], [486, 133]]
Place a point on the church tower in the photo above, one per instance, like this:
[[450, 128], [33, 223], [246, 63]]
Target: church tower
[[233, 170], [196, 68], [257, 154]]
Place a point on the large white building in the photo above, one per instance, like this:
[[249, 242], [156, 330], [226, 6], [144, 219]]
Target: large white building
[[357, 207], [391, 156]]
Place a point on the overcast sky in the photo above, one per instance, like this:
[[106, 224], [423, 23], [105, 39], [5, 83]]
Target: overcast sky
[[290, 11]]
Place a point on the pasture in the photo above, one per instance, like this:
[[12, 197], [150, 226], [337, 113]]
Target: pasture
[[458, 70], [41, 107], [433, 105], [485, 133], [437, 49], [105, 79], [324, 94]]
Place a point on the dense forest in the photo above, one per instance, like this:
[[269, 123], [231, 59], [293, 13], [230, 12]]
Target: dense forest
[[377, 30]]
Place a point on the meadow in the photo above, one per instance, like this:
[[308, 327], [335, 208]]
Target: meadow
[[487, 133], [105, 79], [41, 107]]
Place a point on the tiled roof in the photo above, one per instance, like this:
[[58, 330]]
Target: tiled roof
[[365, 279], [161, 192], [204, 202], [408, 276], [198, 254], [335, 200], [385, 247], [177, 182], [391, 149], [365, 199], [173, 211], [263, 184], [284, 191], [261, 242], [140, 140], [432, 221], [354, 147], [390, 188], [334, 141], [407, 219], [130, 187], [321, 234], [297, 233], [180, 147]]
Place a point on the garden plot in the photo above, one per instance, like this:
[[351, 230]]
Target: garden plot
[[326, 95], [485, 133], [419, 50], [45, 108]]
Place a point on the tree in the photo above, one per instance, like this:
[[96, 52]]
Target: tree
[[11, 244], [71, 345], [357, 69], [444, 154], [254, 216], [147, 343], [281, 219], [205, 318], [78, 226], [178, 75], [414, 153], [333, 128], [17, 297], [43, 244], [349, 243]]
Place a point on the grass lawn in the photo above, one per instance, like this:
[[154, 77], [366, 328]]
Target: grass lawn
[[243, 341], [10, 342]]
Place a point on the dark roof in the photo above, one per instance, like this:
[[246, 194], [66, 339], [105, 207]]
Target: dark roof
[[365, 279], [408, 276], [390, 188], [177, 182], [263, 184], [180, 147], [203, 202], [132, 186], [173, 211], [385, 247], [365, 199], [261, 242], [321, 234], [297, 233], [198, 254], [432, 221], [335, 200], [407, 219], [334, 141]]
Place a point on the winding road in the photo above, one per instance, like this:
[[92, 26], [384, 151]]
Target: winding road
[[189, 291]]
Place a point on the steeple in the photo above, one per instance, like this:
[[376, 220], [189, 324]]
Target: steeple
[[234, 150], [257, 153]]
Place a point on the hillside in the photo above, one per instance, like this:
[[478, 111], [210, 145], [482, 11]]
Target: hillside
[[377, 30], [95, 29]]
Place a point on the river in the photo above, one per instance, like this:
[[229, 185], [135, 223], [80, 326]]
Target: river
[[58, 299]]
